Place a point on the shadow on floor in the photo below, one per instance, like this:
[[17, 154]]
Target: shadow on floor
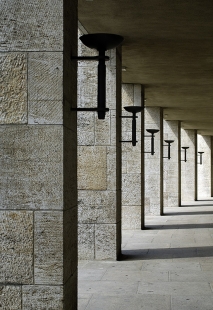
[[169, 253], [187, 213], [197, 205], [179, 226]]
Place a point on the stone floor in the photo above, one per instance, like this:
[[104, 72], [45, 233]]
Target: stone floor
[[168, 266]]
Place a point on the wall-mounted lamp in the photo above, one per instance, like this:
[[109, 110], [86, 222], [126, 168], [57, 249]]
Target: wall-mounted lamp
[[184, 148], [152, 131], [201, 154], [101, 42], [133, 110], [169, 145]]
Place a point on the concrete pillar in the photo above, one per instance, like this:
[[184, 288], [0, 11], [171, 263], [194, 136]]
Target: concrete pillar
[[132, 179], [99, 161], [204, 170], [153, 163], [38, 162], [188, 168], [171, 167]]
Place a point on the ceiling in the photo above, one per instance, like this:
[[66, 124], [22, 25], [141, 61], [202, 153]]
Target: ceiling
[[168, 48]]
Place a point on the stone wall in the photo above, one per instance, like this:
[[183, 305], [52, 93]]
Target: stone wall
[[38, 194], [99, 161], [171, 166], [153, 119], [188, 168], [204, 170], [132, 178]]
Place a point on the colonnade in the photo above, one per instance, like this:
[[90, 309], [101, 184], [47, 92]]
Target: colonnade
[[40, 152]]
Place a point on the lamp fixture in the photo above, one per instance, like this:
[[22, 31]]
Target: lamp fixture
[[201, 154], [169, 145], [152, 131], [101, 42], [133, 110], [184, 148]]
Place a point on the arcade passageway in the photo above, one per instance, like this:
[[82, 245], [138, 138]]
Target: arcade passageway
[[167, 266]]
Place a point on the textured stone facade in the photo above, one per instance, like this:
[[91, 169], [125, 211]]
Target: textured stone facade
[[99, 160], [132, 156], [38, 162], [189, 168], [153, 119], [171, 176], [204, 170]]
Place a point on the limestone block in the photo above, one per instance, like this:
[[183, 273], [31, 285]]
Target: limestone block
[[42, 297], [86, 241], [31, 167], [92, 163], [45, 78], [45, 112], [28, 25], [16, 247], [105, 234], [127, 95], [131, 217], [10, 297], [133, 162], [111, 87], [97, 206], [112, 169], [131, 189], [102, 130], [13, 80], [48, 248], [86, 128], [115, 133], [87, 87]]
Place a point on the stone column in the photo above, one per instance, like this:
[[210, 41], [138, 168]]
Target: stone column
[[99, 161], [171, 166], [153, 163], [204, 170], [38, 162], [188, 168], [132, 185]]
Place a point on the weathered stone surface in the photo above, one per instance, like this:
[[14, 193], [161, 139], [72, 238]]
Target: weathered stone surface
[[48, 248], [131, 217], [42, 297], [13, 80], [131, 189], [86, 241], [16, 247], [111, 87], [204, 170], [10, 297], [86, 128], [105, 234], [29, 25], [103, 130], [188, 168], [97, 206], [45, 77], [45, 112], [31, 167], [92, 167], [87, 88], [127, 95]]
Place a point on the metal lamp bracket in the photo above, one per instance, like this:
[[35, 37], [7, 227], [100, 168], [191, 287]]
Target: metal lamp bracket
[[201, 158], [101, 42], [169, 146], [133, 110], [152, 131], [184, 149]]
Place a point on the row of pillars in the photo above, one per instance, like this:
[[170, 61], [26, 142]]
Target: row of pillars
[[118, 184]]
